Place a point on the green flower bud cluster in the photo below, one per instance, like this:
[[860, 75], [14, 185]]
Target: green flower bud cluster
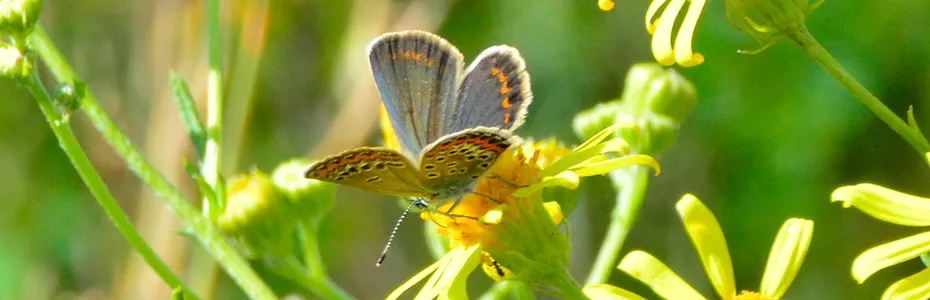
[[18, 17], [768, 20], [13, 62], [262, 212], [656, 99]]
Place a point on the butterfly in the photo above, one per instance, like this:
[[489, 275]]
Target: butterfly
[[454, 123]]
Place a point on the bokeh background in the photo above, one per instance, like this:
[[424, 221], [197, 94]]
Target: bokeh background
[[770, 139]]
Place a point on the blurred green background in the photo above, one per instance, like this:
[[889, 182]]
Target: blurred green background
[[771, 137]]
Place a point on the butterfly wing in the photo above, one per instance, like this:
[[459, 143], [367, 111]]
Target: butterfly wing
[[453, 164], [417, 73], [377, 170], [494, 93]]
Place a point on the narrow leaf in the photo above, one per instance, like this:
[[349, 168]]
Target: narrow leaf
[[189, 115]]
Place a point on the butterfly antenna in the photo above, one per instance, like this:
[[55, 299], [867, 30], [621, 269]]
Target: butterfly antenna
[[418, 203]]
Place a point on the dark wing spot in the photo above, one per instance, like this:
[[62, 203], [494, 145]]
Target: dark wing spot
[[380, 166], [373, 179], [470, 157], [484, 156], [440, 158], [340, 178], [432, 175], [475, 176], [452, 171], [353, 169], [344, 174], [365, 167], [485, 165], [452, 164], [429, 167], [463, 170]]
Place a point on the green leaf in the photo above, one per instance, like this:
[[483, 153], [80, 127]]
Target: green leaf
[[202, 184], [189, 115]]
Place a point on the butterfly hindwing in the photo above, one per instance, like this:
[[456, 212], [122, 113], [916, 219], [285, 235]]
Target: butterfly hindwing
[[494, 93], [417, 74], [454, 163], [377, 170]]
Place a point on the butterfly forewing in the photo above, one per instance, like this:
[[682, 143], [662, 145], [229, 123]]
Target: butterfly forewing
[[417, 74], [454, 163], [377, 170], [494, 93]]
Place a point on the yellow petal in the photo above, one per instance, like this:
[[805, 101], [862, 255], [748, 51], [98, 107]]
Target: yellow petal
[[605, 5], [889, 254], [453, 277], [566, 179], [683, 54], [651, 13], [609, 292], [658, 276], [555, 211], [708, 238], [387, 130], [916, 286], [885, 204], [583, 154], [417, 278], [786, 257], [662, 39], [604, 167]]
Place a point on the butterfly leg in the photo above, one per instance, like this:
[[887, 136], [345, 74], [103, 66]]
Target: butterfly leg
[[487, 197], [457, 201], [505, 181]]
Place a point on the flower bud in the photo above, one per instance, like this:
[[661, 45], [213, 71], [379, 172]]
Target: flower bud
[[309, 199], [257, 217], [656, 99], [18, 17], [767, 20], [14, 63], [68, 96]]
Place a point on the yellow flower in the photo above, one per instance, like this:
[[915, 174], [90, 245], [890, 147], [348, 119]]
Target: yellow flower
[[785, 259], [899, 208], [662, 25], [507, 226]]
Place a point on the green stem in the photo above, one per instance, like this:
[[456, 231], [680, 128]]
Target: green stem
[[97, 187], [566, 286], [211, 161], [202, 268], [822, 57], [292, 270], [208, 234], [316, 277], [631, 184]]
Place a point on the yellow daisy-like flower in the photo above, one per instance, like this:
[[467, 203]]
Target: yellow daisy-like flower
[[785, 259], [662, 25], [507, 226], [899, 208]]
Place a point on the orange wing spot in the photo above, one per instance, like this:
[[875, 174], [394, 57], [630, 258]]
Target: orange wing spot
[[507, 118], [406, 55], [495, 71], [416, 57], [501, 77], [506, 103], [429, 62], [505, 89]]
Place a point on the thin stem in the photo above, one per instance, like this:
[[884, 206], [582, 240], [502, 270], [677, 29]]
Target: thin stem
[[202, 268], [208, 234], [317, 278], [631, 184], [98, 188], [211, 161], [292, 270], [822, 57]]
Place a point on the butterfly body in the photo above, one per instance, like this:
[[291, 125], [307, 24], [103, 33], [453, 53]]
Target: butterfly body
[[452, 125]]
